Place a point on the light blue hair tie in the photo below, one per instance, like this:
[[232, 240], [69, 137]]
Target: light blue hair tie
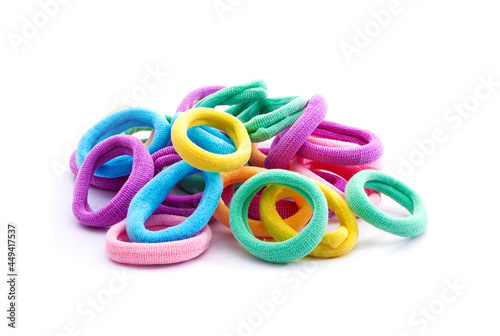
[[155, 191], [116, 123]]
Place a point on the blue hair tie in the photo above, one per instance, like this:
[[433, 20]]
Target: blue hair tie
[[155, 191], [117, 123]]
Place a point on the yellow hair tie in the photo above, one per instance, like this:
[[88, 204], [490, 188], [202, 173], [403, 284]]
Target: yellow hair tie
[[334, 243], [205, 160]]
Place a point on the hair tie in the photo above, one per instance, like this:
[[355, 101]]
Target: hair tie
[[116, 209], [284, 147], [193, 97], [334, 243], [155, 191], [201, 158], [258, 156], [355, 195], [291, 249], [120, 249], [233, 95], [370, 149], [296, 220], [267, 117], [116, 123]]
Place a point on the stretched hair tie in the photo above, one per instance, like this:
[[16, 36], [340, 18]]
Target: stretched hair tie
[[294, 248], [370, 149], [204, 159], [355, 195], [116, 123], [120, 249], [296, 219], [155, 191], [284, 147], [334, 243], [116, 209]]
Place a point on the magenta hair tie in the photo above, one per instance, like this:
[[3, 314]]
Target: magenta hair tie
[[196, 95], [120, 249], [369, 150], [289, 141], [116, 209]]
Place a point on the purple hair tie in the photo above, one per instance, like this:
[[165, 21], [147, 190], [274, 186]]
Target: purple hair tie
[[370, 149], [116, 209], [108, 183], [288, 142], [195, 96]]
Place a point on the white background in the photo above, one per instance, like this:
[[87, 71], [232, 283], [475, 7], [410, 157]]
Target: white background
[[431, 55]]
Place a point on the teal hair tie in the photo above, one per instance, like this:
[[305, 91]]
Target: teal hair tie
[[293, 248], [358, 200]]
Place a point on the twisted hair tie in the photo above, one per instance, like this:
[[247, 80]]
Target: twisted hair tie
[[334, 243], [355, 195], [193, 97], [201, 158], [116, 123], [284, 147], [300, 245], [155, 191], [296, 220], [116, 209], [312, 170], [120, 249], [370, 149]]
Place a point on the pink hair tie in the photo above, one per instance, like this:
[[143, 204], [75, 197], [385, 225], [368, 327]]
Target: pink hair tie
[[120, 249], [116, 209], [307, 168]]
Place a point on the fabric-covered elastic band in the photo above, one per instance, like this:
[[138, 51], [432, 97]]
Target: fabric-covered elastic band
[[120, 249], [116, 209]]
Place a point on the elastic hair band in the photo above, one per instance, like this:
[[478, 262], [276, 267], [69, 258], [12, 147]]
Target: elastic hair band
[[370, 149], [355, 195], [296, 220], [116, 209], [201, 158], [155, 191], [300, 245], [120, 249], [267, 117], [334, 243], [284, 147], [116, 123]]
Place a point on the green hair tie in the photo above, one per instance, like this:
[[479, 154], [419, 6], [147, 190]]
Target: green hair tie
[[358, 200], [294, 248]]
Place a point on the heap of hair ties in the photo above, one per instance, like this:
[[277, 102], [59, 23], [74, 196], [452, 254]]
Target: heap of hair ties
[[276, 201]]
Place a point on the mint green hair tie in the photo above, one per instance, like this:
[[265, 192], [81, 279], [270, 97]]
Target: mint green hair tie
[[293, 248], [267, 117], [358, 200]]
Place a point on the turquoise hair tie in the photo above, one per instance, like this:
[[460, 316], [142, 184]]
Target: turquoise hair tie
[[116, 123], [358, 200], [294, 248], [155, 191]]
